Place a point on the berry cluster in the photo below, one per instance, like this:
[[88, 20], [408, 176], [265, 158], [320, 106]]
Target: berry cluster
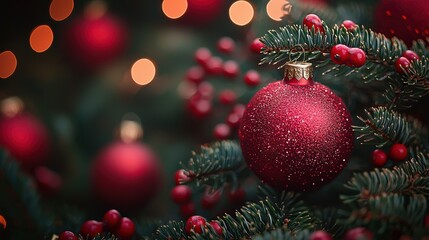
[[113, 222], [352, 57], [403, 63], [398, 152], [198, 224]]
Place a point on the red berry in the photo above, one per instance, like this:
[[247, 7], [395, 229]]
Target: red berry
[[340, 54], [426, 221], [67, 235], [180, 177], [252, 78], [226, 45], [181, 194], [410, 55], [91, 228], [209, 200], [402, 64], [216, 227], [237, 196], [214, 66], [187, 210], [205, 90], [379, 158], [221, 131], [398, 152], [320, 235], [312, 20], [231, 69], [202, 56], [195, 74], [256, 46], [349, 25], [233, 120], [126, 228], [227, 97], [357, 58], [239, 109], [358, 233], [196, 224], [111, 219], [199, 108]]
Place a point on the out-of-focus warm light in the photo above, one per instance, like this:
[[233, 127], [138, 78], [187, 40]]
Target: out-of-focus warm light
[[130, 131], [174, 8], [41, 38], [8, 64], [95, 9], [277, 9], [143, 71], [11, 106], [241, 12], [3, 221], [61, 9]]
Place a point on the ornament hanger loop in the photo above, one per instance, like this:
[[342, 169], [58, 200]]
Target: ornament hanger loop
[[300, 53]]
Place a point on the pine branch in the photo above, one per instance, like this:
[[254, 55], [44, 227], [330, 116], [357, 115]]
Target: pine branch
[[215, 164], [420, 47], [172, 230], [280, 234]]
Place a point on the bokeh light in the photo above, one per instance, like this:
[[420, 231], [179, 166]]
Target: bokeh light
[[277, 9], [241, 12], [8, 64], [174, 8], [130, 131], [143, 71], [41, 38], [11, 106], [61, 9]]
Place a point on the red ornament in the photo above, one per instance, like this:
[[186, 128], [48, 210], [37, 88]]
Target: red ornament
[[340, 54], [320, 235], [199, 107], [112, 219], [187, 210], [357, 58], [203, 12], [233, 120], [231, 69], [181, 194], [256, 46], [180, 177], [126, 228], [210, 199], [312, 20], [405, 19], [237, 196], [221, 131], [379, 158], [358, 233], [296, 134], [349, 25], [67, 235], [252, 78], [195, 74], [126, 175], [26, 140], [402, 64], [196, 224], [410, 55], [214, 66], [205, 90], [226, 45], [227, 97], [47, 180], [216, 227], [91, 229], [398, 152], [93, 41], [202, 56]]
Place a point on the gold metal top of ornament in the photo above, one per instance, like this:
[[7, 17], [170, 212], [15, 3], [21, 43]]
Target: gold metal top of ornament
[[298, 72]]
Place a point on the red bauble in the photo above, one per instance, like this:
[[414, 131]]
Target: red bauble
[[111, 219], [320, 235], [93, 41], [405, 19], [203, 12], [126, 228], [25, 138], [296, 134], [379, 158], [91, 228], [67, 235], [398, 152], [181, 194], [195, 223], [126, 175]]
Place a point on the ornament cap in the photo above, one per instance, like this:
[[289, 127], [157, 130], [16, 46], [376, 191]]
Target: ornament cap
[[298, 73]]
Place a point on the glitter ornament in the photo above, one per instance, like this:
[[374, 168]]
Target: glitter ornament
[[296, 134], [405, 19]]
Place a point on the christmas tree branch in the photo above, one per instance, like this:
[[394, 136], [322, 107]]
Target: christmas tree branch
[[215, 164], [280, 234]]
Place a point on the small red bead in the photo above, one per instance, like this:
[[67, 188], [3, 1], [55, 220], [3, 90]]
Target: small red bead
[[239, 109], [340, 54], [91, 228], [67, 235], [252, 78], [227, 97], [214, 66], [202, 56], [233, 120], [216, 227], [126, 228], [410, 55], [357, 58], [379, 158], [398, 152], [237, 197], [349, 25], [180, 177], [199, 108], [231, 69], [111, 219], [358, 233], [187, 210], [205, 90], [402, 64], [195, 223], [221, 131], [195, 74], [181, 194], [226, 45], [320, 235], [312, 20], [256, 46], [210, 200]]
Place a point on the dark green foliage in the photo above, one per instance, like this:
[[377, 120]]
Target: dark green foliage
[[171, 230], [280, 234]]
